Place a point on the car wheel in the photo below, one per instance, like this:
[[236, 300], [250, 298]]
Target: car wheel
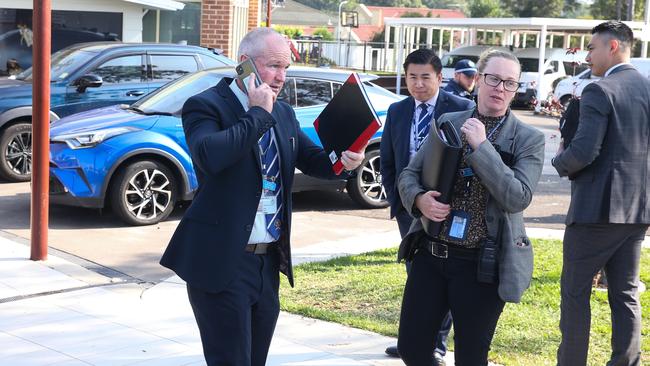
[[143, 193], [16, 152], [366, 188]]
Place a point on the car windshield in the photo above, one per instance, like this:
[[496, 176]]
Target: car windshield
[[170, 99], [529, 64], [64, 63]]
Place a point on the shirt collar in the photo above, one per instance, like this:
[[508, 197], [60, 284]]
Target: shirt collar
[[243, 98], [609, 71], [431, 102]]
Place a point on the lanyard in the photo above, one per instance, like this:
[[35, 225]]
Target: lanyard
[[468, 149]]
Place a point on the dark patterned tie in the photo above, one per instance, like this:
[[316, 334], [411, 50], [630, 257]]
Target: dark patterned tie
[[423, 124], [271, 170]]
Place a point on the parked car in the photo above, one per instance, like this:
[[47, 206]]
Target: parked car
[[558, 65], [573, 86], [89, 76], [135, 159]]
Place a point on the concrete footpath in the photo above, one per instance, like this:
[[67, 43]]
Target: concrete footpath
[[59, 313]]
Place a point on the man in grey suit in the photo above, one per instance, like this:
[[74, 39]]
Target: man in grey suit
[[609, 214]]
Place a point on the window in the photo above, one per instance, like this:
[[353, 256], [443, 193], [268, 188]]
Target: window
[[313, 92], [171, 67], [450, 60], [127, 69], [210, 62], [288, 92]]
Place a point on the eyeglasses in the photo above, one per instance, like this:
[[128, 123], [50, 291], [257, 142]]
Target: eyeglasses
[[493, 80]]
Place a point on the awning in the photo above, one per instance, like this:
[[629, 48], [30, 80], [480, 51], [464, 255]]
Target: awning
[[159, 4]]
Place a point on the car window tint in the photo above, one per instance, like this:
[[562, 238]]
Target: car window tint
[[336, 87], [171, 67], [210, 62], [288, 92], [312, 92], [127, 69]]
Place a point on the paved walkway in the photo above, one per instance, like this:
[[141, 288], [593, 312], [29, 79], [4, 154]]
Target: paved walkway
[[59, 313]]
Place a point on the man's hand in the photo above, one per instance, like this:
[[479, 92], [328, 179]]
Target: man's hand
[[261, 96], [431, 208], [474, 131], [352, 160]]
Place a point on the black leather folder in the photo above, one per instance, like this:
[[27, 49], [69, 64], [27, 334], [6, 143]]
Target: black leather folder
[[440, 167], [347, 122]]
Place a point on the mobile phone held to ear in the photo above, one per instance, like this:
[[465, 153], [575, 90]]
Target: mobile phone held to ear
[[244, 70]]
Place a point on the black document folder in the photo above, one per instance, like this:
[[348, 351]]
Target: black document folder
[[347, 122], [442, 156]]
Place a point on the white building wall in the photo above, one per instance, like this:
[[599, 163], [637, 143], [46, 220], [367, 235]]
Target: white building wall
[[131, 13]]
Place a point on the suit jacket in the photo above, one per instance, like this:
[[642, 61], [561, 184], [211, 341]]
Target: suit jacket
[[209, 242], [396, 139], [608, 156], [510, 188]]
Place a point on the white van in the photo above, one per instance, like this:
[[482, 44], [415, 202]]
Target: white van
[[466, 52], [558, 65], [574, 85]]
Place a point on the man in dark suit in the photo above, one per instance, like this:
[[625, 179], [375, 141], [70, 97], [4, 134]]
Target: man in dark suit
[[235, 237], [407, 125], [609, 212]]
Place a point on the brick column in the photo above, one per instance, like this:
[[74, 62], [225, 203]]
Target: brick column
[[216, 24], [253, 13]]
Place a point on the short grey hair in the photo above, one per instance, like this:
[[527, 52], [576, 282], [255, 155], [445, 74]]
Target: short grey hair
[[494, 53], [254, 40]]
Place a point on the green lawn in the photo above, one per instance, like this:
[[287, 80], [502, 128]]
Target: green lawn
[[365, 291]]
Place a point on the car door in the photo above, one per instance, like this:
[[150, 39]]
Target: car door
[[124, 81], [163, 68]]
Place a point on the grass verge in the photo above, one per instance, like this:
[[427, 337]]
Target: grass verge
[[365, 291]]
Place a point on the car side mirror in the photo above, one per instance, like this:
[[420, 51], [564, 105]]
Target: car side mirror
[[88, 81]]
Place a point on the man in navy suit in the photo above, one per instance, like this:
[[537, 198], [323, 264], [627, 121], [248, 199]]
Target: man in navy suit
[[234, 239], [407, 124]]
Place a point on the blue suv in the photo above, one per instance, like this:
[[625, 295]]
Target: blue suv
[[135, 159], [88, 76]]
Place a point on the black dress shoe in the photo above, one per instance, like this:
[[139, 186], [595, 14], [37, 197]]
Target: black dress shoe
[[392, 351]]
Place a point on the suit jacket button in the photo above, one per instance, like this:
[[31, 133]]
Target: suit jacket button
[[249, 227]]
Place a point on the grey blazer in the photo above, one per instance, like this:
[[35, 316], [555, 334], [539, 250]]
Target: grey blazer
[[510, 192], [609, 157]]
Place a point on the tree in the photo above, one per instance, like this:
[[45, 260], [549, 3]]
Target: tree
[[485, 9], [324, 33], [607, 9], [534, 8]]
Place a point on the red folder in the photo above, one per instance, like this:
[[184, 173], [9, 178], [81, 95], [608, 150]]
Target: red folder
[[347, 122]]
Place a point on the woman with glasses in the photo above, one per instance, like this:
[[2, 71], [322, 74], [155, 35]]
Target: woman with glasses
[[481, 258]]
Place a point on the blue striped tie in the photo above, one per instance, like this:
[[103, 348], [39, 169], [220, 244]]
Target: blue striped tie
[[271, 170], [423, 124]]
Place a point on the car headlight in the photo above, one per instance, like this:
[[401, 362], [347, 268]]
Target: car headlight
[[81, 140]]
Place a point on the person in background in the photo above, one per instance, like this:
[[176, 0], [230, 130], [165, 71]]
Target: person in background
[[407, 125], [464, 81]]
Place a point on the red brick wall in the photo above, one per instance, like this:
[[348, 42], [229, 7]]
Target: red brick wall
[[216, 20], [253, 10]]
